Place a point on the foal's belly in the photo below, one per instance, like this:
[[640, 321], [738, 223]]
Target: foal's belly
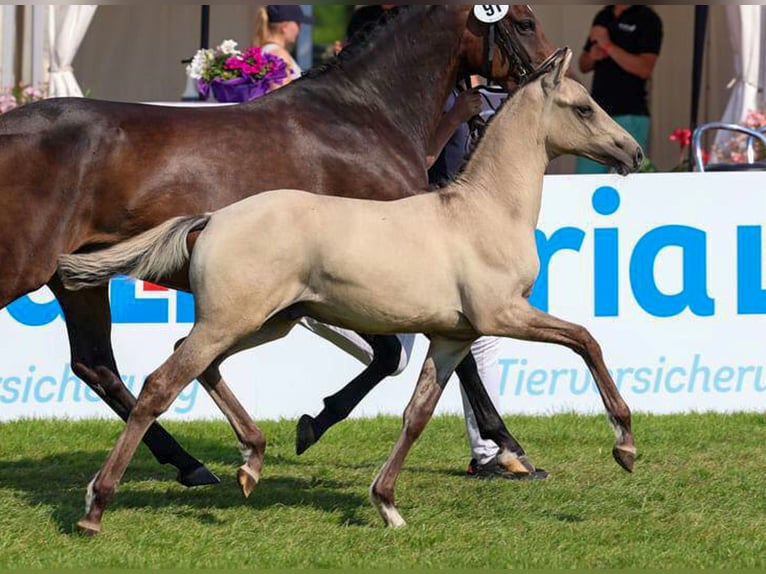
[[376, 317]]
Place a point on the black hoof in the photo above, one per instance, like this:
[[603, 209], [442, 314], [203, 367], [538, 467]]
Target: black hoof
[[304, 434], [200, 476]]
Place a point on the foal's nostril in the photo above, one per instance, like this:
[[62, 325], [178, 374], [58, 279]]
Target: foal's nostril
[[639, 158]]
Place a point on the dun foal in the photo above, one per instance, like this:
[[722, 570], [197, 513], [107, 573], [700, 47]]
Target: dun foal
[[421, 264]]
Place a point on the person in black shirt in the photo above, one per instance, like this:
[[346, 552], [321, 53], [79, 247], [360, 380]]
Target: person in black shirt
[[621, 51]]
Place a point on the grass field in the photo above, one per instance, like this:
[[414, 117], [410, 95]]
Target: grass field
[[697, 499]]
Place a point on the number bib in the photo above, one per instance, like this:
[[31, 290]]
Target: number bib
[[491, 13]]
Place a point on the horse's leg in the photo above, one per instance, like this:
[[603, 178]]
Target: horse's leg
[[88, 322], [523, 321], [491, 426], [386, 361], [161, 388], [443, 356]]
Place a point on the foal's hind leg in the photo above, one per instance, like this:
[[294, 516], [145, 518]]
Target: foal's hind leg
[[160, 390], [251, 439], [88, 322], [443, 356], [525, 322], [387, 351]]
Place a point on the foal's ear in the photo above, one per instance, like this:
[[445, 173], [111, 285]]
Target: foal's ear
[[559, 69]]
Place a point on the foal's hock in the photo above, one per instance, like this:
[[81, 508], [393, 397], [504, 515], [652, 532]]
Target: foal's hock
[[421, 264]]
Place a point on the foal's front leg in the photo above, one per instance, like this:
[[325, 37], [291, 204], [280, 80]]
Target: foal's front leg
[[443, 356], [525, 322]]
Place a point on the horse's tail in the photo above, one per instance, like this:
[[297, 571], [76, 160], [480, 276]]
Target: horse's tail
[[152, 255]]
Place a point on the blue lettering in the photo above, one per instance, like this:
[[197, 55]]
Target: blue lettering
[[536, 382], [12, 393], [669, 385], [642, 378], [33, 314], [751, 297], [39, 397], [566, 238], [694, 292], [606, 201], [723, 375]]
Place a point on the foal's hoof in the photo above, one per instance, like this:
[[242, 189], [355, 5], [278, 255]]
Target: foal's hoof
[[387, 510], [304, 434], [88, 528], [200, 476], [625, 456], [247, 479]]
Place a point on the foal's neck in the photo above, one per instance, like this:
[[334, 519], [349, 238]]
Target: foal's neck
[[506, 170]]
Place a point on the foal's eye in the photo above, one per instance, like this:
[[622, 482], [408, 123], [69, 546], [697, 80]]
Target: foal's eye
[[525, 26], [585, 111]]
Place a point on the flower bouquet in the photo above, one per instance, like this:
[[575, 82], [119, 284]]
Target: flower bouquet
[[235, 76]]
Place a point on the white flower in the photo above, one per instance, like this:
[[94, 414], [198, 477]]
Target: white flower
[[199, 63], [229, 47]]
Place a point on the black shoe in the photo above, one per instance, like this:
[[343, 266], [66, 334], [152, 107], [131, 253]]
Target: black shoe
[[493, 469]]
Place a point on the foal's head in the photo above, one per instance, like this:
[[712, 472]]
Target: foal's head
[[575, 124]]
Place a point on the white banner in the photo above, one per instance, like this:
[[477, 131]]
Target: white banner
[[666, 271]]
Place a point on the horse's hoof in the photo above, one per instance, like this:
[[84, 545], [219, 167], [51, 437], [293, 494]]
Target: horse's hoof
[[247, 479], [625, 456], [200, 476], [304, 434], [88, 528]]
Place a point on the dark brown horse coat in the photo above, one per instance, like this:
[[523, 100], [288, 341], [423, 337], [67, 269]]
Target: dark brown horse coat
[[79, 174]]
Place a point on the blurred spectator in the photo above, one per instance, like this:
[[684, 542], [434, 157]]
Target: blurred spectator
[[276, 30], [622, 49]]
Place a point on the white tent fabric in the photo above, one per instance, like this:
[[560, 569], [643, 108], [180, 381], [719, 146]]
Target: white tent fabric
[[66, 29], [748, 37]]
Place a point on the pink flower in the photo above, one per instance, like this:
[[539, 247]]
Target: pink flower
[[738, 157]]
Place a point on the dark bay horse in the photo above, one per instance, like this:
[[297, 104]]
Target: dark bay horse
[[83, 174]]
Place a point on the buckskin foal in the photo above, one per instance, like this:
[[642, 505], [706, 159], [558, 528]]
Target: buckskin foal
[[340, 263]]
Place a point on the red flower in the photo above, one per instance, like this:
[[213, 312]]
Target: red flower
[[683, 136]]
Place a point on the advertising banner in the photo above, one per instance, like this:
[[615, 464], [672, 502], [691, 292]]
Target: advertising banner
[[666, 271]]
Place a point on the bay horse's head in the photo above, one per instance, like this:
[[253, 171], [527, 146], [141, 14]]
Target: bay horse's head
[[508, 51], [573, 123]]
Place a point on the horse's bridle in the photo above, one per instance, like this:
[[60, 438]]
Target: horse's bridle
[[508, 42]]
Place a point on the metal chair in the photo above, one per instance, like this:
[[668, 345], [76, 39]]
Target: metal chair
[[751, 165]]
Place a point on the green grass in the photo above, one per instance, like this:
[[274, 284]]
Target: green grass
[[697, 499]]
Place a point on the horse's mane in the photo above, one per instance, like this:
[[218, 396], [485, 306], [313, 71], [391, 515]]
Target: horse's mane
[[361, 42], [383, 40], [373, 71]]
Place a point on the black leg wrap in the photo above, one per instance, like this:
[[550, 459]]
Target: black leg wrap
[[386, 356]]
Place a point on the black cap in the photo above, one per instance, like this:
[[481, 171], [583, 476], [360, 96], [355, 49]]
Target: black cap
[[287, 13]]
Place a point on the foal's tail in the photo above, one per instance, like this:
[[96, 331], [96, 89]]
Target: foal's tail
[[150, 256]]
